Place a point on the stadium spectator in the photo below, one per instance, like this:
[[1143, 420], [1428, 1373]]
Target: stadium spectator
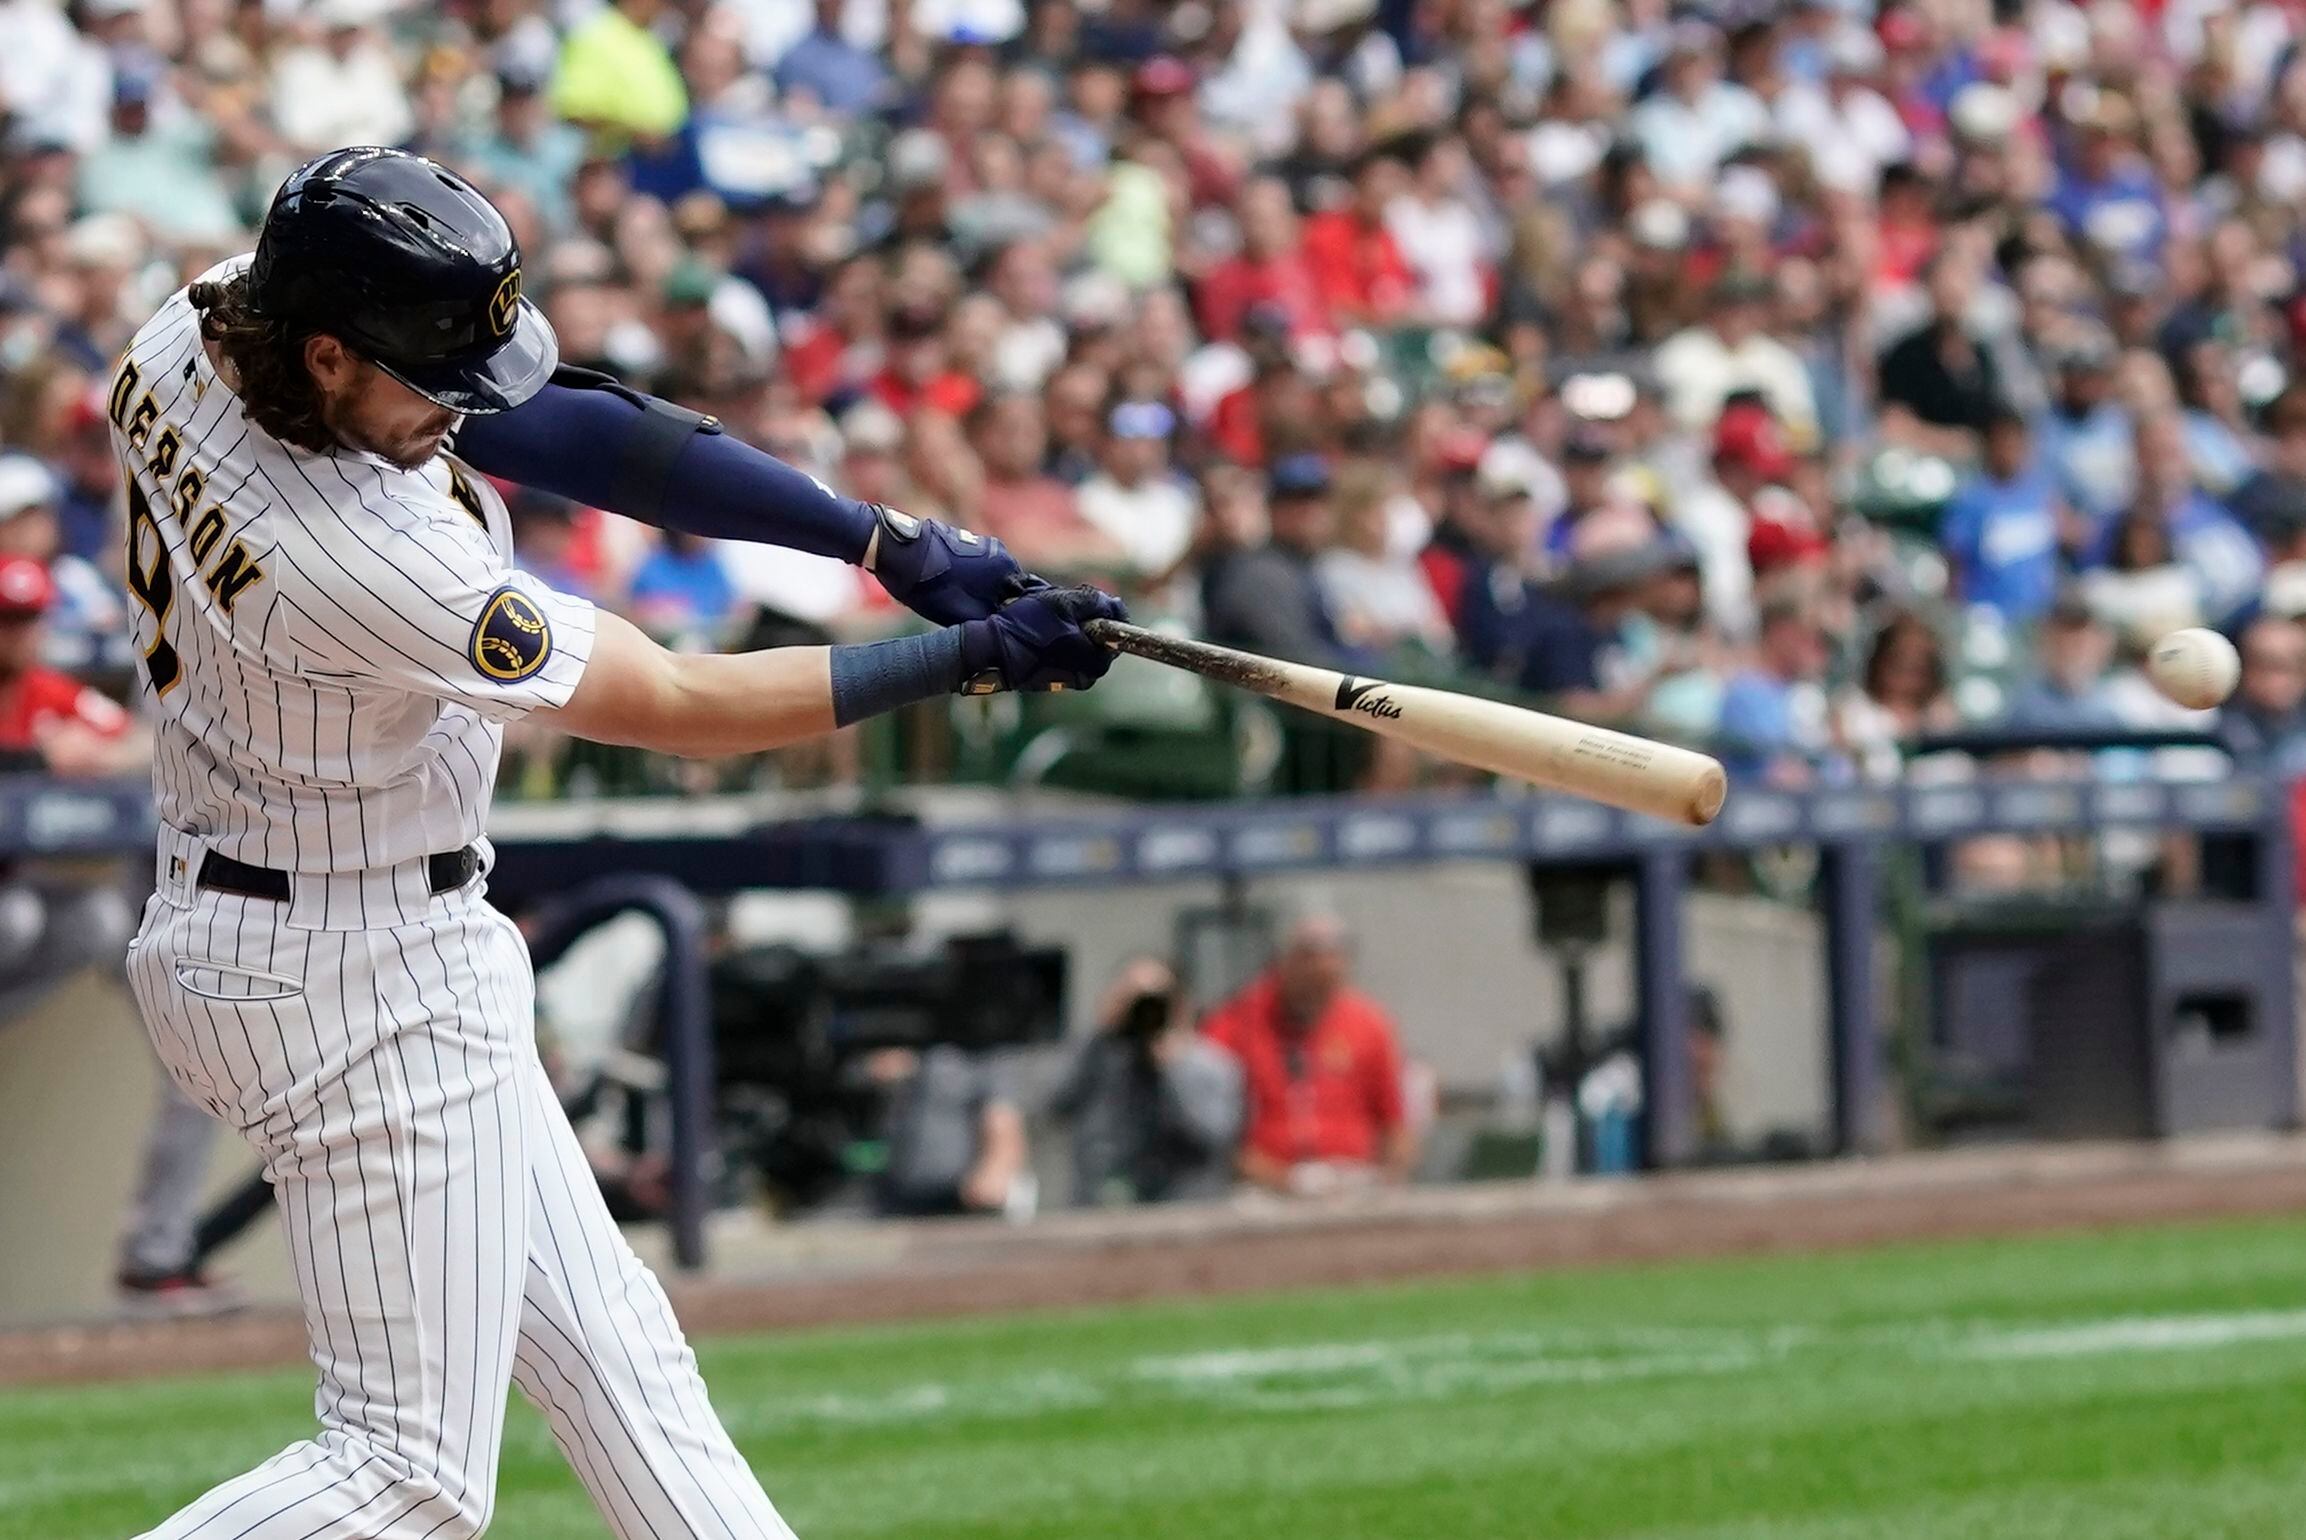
[[1901, 695], [1522, 633], [1773, 713], [826, 69], [2142, 589], [1269, 270], [1377, 592], [2265, 723], [1440, 238], [1695, 120], [1589, 484], [614, 74], [955, 1137], [1039, 516], [2271, 501], [682, 590], [2001, 531], [1268, 599], [2106, 194], [1729, 354], [1155, 1108], [1737, 517], [2086, 435], [2068, 689], [1136, 500], [2226, 563], [918, 375], [344, 85], [86, 615], [48, 719], [1446, 239], [1941, 383], [1321, 1068], [1357, 265], [1680, 652], [160, 171]]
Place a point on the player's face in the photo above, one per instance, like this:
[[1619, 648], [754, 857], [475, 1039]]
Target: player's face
[[369, 409], [389, 420]]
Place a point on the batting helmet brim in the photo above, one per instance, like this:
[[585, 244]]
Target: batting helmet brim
[[496, 382]]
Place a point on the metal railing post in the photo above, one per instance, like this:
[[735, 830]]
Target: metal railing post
[[684, 1021]]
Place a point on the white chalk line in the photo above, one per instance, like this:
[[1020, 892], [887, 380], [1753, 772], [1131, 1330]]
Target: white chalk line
[[1352, 1375], [2143, 1334], [1349, 1375]]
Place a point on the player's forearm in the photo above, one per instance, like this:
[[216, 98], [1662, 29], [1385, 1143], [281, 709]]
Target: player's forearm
[[699, 705], [704, 705], [740, 703], [600, 446]]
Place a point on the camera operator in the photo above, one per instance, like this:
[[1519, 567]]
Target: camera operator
[[1155, 1109], [956, 1142]]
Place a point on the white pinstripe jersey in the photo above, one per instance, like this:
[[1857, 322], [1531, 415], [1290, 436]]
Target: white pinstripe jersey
[[331, 643]]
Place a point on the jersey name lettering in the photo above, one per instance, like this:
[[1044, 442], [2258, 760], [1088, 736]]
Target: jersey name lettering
[[149, 575]]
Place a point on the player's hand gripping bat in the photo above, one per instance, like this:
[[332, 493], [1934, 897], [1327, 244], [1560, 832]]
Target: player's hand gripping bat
[[1636, 774]]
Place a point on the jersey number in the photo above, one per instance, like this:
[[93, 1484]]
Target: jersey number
[[154, 588]]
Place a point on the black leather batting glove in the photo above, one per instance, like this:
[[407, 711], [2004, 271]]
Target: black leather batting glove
[[941, 573], [1036, 643]]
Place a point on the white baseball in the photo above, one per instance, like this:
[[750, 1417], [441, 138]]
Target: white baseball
[[2194, 667]]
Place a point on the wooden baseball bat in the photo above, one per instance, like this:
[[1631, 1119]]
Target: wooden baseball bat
[[1616, 768]]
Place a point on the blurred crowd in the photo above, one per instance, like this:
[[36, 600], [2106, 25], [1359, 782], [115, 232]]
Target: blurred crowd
[[1805, 378]]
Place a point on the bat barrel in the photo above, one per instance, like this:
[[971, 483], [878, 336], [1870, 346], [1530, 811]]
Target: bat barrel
[[1644, 776], [1637, 774]]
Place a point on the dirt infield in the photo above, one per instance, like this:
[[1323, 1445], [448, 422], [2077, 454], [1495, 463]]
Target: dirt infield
[[810, 1276]]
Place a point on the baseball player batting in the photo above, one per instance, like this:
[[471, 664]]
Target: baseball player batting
[[334, 634]]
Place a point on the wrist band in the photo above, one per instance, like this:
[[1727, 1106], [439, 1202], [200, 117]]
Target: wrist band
[[872, 677]]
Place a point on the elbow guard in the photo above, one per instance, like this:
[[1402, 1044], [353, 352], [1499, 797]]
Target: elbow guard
[[650, 445]]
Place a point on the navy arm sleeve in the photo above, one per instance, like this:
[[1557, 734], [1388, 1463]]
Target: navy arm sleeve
[[608, 447]]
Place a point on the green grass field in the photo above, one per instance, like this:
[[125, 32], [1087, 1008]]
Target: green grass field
[[2146, 1384]]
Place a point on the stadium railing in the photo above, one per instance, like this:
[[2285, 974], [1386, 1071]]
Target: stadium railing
[[718, 846]]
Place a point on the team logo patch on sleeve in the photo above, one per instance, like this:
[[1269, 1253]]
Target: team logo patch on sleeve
[[512, 640]]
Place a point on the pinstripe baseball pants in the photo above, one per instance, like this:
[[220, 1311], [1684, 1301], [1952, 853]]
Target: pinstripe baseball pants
[[446, 1231]]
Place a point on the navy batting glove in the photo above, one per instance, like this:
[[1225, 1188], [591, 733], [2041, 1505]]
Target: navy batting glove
[[943, 574], [1036, 643]]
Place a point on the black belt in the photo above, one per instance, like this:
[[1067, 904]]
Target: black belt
[[447, 871]]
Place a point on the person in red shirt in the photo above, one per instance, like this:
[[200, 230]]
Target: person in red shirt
[[919, 375], [50, 720], [1023, 505], [1278, 408], [1356, 264], [1269, 269], [1162, 94], [840, 347], [1321, 1068]]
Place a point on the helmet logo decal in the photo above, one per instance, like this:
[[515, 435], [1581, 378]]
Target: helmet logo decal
[[504, 304]]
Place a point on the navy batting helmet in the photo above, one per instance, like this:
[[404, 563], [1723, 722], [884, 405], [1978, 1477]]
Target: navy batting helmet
[[407, 264]]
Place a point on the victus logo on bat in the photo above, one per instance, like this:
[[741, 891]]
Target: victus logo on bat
[[1362, 695]]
